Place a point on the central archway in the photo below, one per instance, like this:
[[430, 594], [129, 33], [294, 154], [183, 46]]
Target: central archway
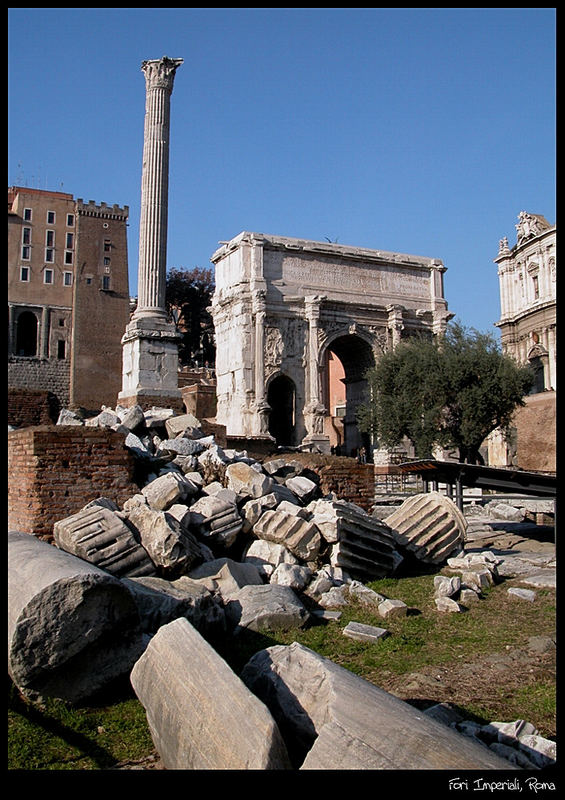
[[281, 397], [354, 356]]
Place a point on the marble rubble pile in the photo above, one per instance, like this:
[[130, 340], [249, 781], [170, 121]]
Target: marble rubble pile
[[213, 544]]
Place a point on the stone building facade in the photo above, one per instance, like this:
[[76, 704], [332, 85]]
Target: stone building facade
[[68, 296], [281, 305], [528, 323], [527, 277]]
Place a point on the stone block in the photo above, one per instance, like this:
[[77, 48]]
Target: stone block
[[226, 577], [267, 556], [246, 481], [364, 633], [172, 487], [299, 536], [200, 714], [72, 628], [331, 718], [392, 608], [292, 575], [266, 607], [171, 547]]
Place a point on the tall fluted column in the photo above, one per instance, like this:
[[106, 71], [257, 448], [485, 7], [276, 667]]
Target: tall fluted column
[[150, 342], [152, 270], [314, 411]]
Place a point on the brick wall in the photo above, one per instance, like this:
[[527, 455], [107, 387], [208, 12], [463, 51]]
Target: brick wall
[[53, 471], [46, 374], [348, 479], [28, 407], [536, 433]]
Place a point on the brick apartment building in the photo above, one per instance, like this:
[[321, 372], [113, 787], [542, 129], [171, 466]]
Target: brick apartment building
[[68, 296]]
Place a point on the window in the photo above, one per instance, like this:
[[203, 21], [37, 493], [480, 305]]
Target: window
[[68, 257], [48, 276], [106, 282], [106, 261], [24, 274], [69, 241], [26, 235], [26, 250], [50, 217], [60, 348], [49, 238], [107, 245], [536, 287], [88, 280], [61, 323], [67, 278], [49, 255], [27, 214], [70, 220]]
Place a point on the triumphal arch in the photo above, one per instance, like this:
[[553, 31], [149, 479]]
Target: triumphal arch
[[286, 310]]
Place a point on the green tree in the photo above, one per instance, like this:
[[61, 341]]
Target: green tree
[[451, 392], [188, 296]]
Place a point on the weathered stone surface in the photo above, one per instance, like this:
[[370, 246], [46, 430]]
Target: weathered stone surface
[[67, 417], [334, 597], [302, 487], [225, 576], [132, 418], [267, 556], [160, 601], [246, 481], [216, 520], [332, 719], [252, 509], [447, 604], [72, 627], [201, 715], [523, 594], [477, 579], [98, 535], [428, 525], [445, 586], [266, 607], [467, 596], [363, 547], [364, 633], [301, 537], [181, 446], [365, 595], [293, 575], [176, 426], [167, 489], [324, 579], [171, 547], [392, 608]]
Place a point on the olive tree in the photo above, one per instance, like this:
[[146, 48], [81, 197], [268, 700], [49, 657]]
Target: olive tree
[[450, 391]]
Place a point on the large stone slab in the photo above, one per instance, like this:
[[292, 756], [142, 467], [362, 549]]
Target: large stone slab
[[333, 719], [167, 489], [200, 714], [226, 577], [98, 535], [72, 628], [430, 526]]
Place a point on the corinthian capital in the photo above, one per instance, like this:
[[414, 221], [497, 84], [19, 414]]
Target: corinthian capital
[[160, 74]]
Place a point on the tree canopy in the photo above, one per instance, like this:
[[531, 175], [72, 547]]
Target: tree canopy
[[449, 392], [188, 296]]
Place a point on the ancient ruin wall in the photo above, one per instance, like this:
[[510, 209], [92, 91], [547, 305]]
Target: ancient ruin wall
[[343, 476], [28, 407], [53, 471], [536, 433]]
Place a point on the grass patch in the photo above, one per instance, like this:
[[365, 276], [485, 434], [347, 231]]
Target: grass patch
[[58, 736]]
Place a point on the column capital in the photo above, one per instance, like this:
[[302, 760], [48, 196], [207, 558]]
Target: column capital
[[160, 73]]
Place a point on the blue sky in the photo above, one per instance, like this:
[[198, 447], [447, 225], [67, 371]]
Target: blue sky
[[414, 130]]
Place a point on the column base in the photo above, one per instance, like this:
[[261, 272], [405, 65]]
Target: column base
[[316, 443], [149, 400]]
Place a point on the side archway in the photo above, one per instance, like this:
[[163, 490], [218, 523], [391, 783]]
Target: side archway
[[26, 334], [355, 356], [281, 397]]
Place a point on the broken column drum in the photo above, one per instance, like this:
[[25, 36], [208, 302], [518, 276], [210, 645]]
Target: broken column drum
[[150, 343]]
